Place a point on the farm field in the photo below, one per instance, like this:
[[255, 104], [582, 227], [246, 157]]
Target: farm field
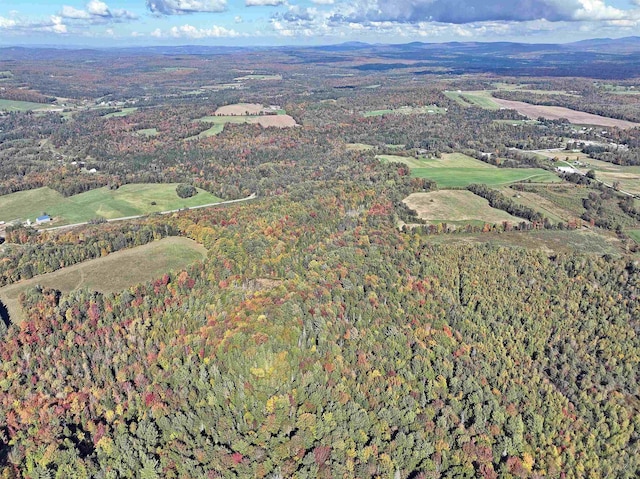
[[448, 160], [359, 147], [480, 98], [558, 112], [128, 200], [113, 272], [14, 105], [242, 113], [462, 177], [122, 112], [456, 170], [456, 206], [406, 110], [627, 176]]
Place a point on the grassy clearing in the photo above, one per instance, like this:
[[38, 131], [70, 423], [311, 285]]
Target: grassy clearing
[[462, 177], [517, 122], [147, 132], [456, 206], [111, 273], [122, 112], [448, 160], [259, 77], [634, 235], [456, 170], [13, 105], [359, 147], [480, 98], [407, 110], [550, 241], [128, 200]]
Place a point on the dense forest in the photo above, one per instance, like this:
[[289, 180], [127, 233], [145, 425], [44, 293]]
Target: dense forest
[[317, 340], [325, 334]]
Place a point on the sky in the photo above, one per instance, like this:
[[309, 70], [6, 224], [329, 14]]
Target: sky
[[310, 22]]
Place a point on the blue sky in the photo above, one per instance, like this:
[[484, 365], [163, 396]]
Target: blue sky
[[276, 22]]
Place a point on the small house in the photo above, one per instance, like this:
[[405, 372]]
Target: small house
[[43, 219]]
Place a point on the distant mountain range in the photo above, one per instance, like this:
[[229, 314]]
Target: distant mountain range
[[596, 58]]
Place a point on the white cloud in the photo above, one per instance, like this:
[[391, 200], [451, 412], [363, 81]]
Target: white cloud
[[329, 2], [96, 7], [264, 3], [238, 19], [189, 31], [178, 7], [97, 12], [70, 12]]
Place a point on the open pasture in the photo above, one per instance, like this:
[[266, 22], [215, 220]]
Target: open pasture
[[123, 112], [462, 177], [111, 273], [14, 105], [128, 200], [456, 206], [448, 160], [480, 98], [240, 109]]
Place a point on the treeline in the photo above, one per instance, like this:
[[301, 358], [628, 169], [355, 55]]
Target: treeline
[[501, 202], [47, 252]]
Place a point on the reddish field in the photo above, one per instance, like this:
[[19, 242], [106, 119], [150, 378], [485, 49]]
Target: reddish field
[[280, 121], [558, 112]]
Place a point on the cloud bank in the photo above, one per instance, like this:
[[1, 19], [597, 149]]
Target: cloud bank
[[180, 7]]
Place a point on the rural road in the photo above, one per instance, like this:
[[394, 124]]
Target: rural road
[[124, 218]]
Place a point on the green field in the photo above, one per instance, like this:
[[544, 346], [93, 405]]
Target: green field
[[457, 207], [448, 160], [634, 234], [128, 200], [456, 170], [462, 177], [13, 105], [122, 112], [480, 98], [111, 273], [359, 147], [406, 110]]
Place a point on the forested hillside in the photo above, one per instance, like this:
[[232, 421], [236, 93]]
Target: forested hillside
[[415, 282], [318, 341]]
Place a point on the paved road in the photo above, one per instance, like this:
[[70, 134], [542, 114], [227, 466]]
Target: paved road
[[124, 218]]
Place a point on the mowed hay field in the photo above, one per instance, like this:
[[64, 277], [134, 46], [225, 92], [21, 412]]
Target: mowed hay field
[[456, 170], [128, 200], [111, 273], [456, 206], [15, 105]]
